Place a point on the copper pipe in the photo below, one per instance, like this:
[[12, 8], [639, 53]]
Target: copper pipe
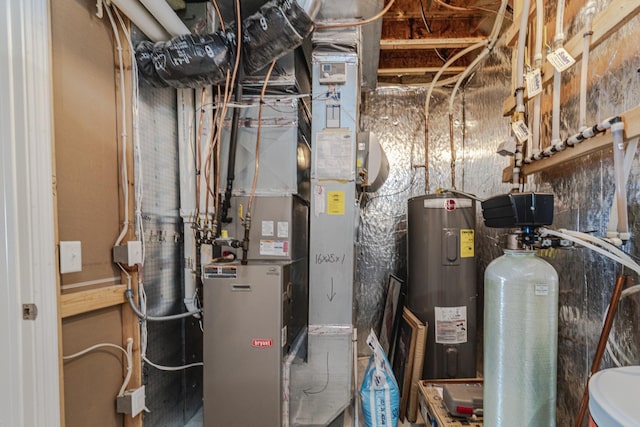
[[602, 343], [453, 153]]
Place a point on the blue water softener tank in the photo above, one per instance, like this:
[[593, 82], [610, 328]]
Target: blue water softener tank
[[520, 341], [442, 281]]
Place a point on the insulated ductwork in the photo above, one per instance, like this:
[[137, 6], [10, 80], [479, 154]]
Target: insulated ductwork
[[191, 60]]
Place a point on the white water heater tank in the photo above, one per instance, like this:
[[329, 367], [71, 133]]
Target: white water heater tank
[[520, 341]]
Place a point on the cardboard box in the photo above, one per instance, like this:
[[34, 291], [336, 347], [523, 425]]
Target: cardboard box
[[431, 405]]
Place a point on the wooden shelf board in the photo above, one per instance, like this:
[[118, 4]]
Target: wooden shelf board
[[443, 43], [602, 141]]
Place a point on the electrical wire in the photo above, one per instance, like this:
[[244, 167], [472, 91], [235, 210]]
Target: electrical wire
[[217, 8], [254, 184], [358, 23], [123, 132], [137, 150], [172, 368], [127, 353]]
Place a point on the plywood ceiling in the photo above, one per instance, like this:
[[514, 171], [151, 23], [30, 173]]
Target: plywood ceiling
[[418, 36]]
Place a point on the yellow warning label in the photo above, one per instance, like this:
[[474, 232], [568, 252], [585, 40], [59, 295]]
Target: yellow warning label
[[335, 202], [467, 243]]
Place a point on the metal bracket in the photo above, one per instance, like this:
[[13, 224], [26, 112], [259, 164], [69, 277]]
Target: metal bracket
[[29, 312]]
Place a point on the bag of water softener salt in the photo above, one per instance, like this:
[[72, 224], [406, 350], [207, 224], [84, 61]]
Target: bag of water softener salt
[[379, 392]]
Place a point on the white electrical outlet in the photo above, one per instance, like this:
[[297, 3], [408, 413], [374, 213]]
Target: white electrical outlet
[[70, 257]]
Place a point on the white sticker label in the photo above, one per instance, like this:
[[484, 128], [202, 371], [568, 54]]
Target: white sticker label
[[534, 82], [267, 228], [542, 290], [283, 229], [520, 130], [560, 59], [283, 336], [451, 325], [274, 247]]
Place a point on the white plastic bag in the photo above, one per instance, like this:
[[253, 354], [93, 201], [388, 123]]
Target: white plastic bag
[[379, 392]]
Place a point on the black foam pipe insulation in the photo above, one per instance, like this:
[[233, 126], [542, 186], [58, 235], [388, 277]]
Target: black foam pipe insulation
[[192, 60]]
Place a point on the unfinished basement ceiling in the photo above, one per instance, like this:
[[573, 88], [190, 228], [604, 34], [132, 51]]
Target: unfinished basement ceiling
[[418, 36]]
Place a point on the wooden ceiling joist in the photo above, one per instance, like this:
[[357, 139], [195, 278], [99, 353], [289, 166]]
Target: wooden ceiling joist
[[440, 43], [417, 71]]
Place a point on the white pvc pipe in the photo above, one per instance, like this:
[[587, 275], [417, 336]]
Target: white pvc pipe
[[161, 10], [538, 63], [444, 68], [142, 19], [621, 183], [612, 228], [493, 38], [187, 170], [522, 36], [590, 11], [557, 78], [627, 263], [598, 242]]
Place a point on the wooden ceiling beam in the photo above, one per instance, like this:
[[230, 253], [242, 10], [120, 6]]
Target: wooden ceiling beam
[[441, 43], [417, 71]]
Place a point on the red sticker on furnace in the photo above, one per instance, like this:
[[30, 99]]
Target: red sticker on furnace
[[261, 343]]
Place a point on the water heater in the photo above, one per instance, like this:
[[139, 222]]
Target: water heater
[[520, 340], [442, 281]]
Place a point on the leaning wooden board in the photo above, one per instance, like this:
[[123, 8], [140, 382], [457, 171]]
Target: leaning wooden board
[[432, 408]]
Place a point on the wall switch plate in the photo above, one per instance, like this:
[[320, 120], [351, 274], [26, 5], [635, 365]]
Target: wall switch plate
[[70, 257]]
